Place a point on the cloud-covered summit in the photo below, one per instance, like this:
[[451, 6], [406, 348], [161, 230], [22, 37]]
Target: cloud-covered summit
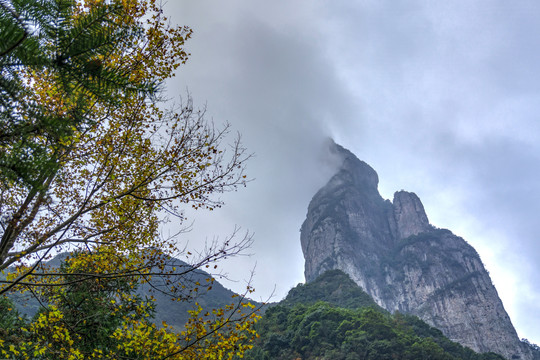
[[441, 98]]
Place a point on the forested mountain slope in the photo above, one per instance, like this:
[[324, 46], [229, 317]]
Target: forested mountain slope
[[333, 318]]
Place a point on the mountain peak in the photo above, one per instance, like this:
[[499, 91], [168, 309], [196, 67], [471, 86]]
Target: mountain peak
[[405, 264], [359, 171]]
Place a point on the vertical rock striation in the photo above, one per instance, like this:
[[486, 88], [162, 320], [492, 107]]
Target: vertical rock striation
[[403, 262]]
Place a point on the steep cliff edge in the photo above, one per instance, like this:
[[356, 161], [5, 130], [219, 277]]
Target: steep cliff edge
[[403, 262]]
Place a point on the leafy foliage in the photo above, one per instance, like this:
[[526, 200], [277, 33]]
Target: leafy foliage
[[11, 323], [334, 287], [344, 328], [211, 295], [91, 163], [535, 349], [76, 51], [107, 319]]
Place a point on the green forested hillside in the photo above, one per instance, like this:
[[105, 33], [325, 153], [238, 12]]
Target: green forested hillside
[[332, 318], [334, 287]]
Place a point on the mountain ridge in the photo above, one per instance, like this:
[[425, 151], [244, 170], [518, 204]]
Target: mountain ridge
[[174, 313]]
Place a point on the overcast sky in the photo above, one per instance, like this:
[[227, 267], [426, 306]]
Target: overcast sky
[[441, 98]]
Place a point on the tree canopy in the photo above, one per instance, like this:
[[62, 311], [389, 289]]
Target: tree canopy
[[333, 318], [91, 162]]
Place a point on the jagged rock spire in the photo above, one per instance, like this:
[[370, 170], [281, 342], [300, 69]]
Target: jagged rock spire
[[409, 214], [403, 262]]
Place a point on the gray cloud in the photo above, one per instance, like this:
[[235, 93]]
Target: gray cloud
[[440, 98]]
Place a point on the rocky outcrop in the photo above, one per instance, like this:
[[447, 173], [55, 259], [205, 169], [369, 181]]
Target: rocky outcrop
[[403, 262], [409, 215]]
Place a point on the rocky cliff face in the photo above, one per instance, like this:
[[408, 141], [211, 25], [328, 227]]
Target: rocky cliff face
[[403, 262]]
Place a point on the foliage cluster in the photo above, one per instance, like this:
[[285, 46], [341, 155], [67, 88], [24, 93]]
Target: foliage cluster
[[334, 287], [210, 295], [304, 329], [107, 319], [535, 349], [91, 163]]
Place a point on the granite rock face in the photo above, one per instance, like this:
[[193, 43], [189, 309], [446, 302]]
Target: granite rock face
[[403, 262]]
